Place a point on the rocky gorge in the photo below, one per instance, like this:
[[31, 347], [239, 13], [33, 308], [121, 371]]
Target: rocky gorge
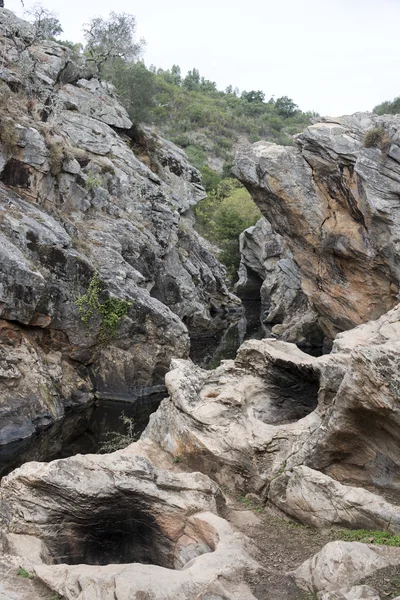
[[249, 478]]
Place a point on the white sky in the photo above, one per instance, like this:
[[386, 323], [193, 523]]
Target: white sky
[[332, 56]]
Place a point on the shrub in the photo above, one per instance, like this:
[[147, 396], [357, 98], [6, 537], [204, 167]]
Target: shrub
[[375, 138], [24, 573], [119, 441], [92, 182], [56, 157]]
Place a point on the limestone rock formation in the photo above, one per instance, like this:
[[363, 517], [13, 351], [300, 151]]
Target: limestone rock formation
[[341, 564], [88, 203], [334, 202], [129, 529], [267, 270], [307, 433], [318, 500]]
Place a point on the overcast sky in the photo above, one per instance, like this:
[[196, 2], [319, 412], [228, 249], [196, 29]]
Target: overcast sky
[[332, 56]]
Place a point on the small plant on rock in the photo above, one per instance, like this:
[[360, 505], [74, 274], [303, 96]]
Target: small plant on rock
[[118, 441], [111, 311], [376, 138], [92, 182], [25, 574], [9, 135]]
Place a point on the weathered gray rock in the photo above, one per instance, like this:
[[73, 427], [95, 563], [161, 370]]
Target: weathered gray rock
[[241, 422], [266, 262], [83, 195], [341, 564], [304, 432], [359, 441], [335, 203]]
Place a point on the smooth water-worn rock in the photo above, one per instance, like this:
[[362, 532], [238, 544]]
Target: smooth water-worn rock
[[87, 201], [318, 500], [128, 527], [341, 564], [307, 433], [334, 202]]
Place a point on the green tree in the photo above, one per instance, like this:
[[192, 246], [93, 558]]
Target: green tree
[[253, 96], [136, 87], [192, 80], [286, 107], [223, 215], [112, 39], [388, 108]]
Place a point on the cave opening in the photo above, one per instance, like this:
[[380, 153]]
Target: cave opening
[[122, 530], [292, 394]]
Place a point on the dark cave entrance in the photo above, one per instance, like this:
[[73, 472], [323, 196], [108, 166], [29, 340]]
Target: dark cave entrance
[[122, 531]]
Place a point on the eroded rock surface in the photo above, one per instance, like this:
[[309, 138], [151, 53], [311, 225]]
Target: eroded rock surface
[[267, 270], [116, 525], [83, 195], [305, 432], [340, 564], [335, 204]]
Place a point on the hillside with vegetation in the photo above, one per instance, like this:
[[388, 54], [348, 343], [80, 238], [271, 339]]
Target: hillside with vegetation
[[208, 123], [388, 107], [189, 110]]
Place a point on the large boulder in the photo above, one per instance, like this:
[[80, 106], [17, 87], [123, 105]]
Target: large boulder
[[267, 271], [341, 564], [116, 525], [318, 500], [334, 201]]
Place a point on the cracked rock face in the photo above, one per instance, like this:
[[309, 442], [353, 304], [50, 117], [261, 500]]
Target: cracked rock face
[[83, 194], [335, 204], [268, 270]]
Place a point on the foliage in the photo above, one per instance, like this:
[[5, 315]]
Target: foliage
[[111, 311], [135, 86], [194, 114], [49, 27], [118, 441], [112, 39], [24, 573], [375, 138], [223, 215], [92, 182], [388, 107], [286, 107], [253, 96], [45, 23], [369, 537]]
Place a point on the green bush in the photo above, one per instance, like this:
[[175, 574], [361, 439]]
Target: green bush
[[111, 311], [388, 108]]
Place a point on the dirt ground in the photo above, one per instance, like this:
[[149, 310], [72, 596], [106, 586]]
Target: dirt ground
[[282, 546]]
